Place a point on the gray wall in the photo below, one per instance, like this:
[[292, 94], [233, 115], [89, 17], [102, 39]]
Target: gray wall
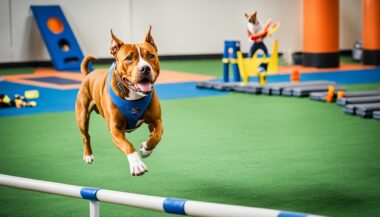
[[179, 26]]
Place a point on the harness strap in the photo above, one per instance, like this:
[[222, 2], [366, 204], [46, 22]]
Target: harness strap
[[133, 110]]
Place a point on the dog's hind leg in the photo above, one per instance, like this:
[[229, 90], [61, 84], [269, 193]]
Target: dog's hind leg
[[83, 109]]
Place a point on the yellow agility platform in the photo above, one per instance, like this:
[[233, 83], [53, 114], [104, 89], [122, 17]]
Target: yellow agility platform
[[249, 66]]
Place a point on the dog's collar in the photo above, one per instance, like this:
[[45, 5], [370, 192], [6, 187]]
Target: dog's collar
[[119, 84], [133, 110]]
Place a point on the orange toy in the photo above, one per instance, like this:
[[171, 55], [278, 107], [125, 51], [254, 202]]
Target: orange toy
[[341, 94], [330, 94], [295, 76]]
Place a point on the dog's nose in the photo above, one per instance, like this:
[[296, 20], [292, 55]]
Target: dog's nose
[[144, 69]]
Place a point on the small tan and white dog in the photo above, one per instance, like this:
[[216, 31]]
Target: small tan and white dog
[[124, 96]]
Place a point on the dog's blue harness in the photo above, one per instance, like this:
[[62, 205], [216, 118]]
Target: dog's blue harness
[[131, 109]]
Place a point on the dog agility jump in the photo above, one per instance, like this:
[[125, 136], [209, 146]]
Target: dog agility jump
[[162, 204]]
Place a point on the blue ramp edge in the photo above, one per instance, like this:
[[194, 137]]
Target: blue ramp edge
[[174, 206]]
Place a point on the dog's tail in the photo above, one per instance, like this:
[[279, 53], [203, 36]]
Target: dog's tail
[[84, 65]]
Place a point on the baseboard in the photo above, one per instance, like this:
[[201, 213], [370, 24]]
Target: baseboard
[[27, 64]]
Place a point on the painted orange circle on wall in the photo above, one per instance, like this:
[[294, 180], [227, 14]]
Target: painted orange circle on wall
[[55, 25]]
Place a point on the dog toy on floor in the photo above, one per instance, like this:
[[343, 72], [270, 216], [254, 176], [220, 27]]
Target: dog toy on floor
[[5, 101], [21, 101], [17, 101]]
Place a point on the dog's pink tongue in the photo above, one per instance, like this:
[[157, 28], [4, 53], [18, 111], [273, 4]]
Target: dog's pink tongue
[[145, 86]]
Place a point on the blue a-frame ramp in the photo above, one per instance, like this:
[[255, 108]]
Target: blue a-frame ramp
[[62, 46]]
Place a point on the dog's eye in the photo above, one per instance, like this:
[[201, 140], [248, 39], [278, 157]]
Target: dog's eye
[[129, 58], [151, 56]]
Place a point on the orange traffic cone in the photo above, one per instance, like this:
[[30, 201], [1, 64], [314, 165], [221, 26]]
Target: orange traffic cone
[[295, 76]]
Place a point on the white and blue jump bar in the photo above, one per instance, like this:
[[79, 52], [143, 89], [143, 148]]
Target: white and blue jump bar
[[168, 205]]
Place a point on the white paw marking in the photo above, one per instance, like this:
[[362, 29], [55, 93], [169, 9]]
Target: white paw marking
[[88, 159], [136, 165], [143, 152]]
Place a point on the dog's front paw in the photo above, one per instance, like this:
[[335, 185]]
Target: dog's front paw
[[143, 152], [136, 165], [88, 158]]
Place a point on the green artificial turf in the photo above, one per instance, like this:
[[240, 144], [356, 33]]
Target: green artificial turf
[[348, 59], [204, 67], [16, 71], [362, 87], [273, 152]]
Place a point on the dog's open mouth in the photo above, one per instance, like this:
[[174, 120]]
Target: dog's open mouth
[[144, 86]]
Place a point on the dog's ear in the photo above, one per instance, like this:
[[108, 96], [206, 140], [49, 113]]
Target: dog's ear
[[115, 44], [246, 15], [149, 38], [254, 14]]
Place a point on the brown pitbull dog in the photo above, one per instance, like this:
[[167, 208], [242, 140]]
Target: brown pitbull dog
[[124, 97]]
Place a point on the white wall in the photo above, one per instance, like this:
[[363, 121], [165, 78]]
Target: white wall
[[179, 26], [200, 27], [350, 22], [5, 32]]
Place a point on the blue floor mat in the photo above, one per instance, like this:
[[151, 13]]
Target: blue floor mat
[[54, 80], [52, 100], [347, 77]]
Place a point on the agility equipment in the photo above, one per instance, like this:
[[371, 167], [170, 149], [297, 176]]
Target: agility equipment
[[363, 110], [217, 85], [229, 56], [206, 84], [358, 100], [320, 96], [288, 89], [366, 111], [362, 93], [262, 78], [267, 89], [305, 91], [226, 86], [168, 205], [250, 66], [251, 88], [277, 88], [376, 115], [59, 39]]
